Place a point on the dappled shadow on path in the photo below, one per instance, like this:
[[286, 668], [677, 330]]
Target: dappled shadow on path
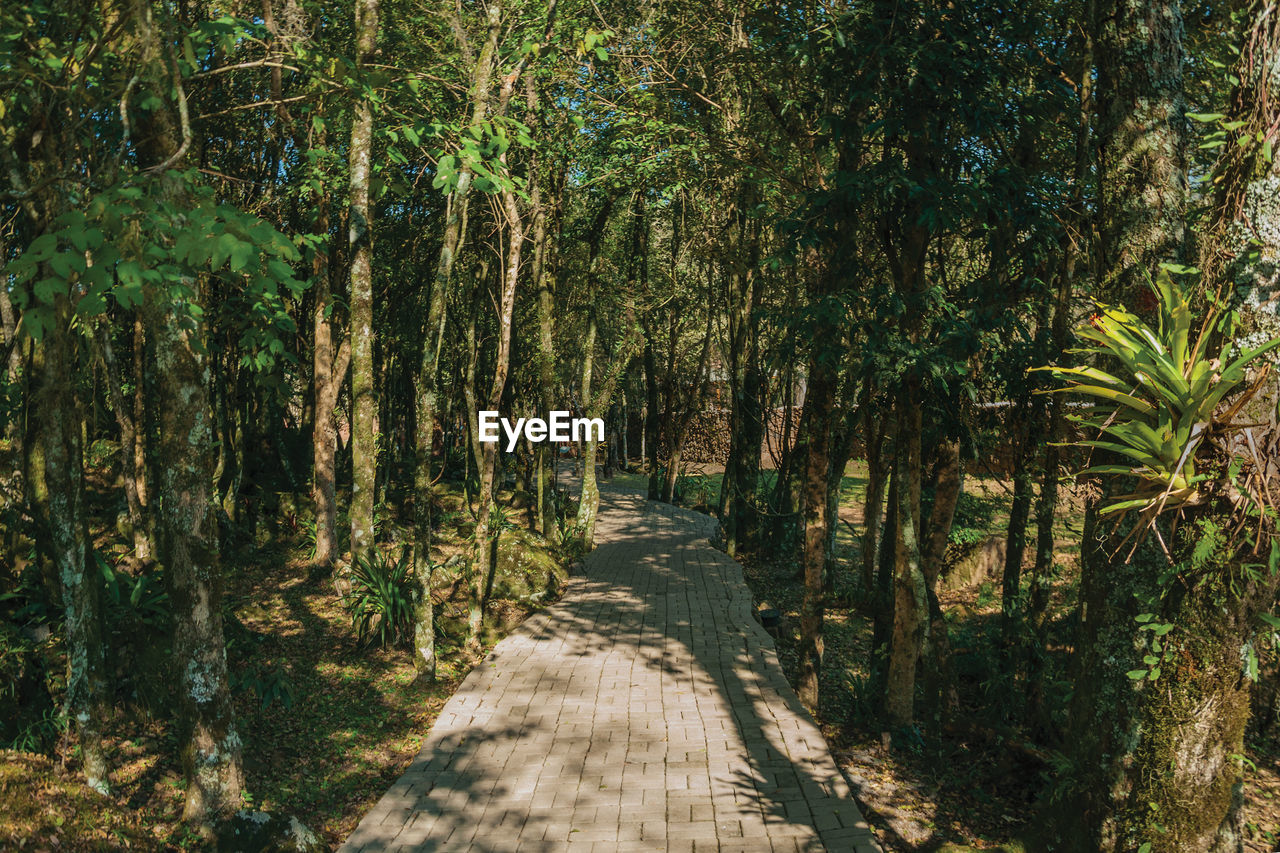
[[645, 711]]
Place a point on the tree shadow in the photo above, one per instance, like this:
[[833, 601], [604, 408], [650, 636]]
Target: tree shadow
[[646, 709]]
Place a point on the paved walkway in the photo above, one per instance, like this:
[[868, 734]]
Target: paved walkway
[[644, 711]]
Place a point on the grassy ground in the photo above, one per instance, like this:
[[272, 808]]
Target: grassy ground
[[327, 722], [972, 785]]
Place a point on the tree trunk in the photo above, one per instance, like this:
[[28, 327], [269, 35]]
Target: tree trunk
[[877, 475], [326, 381], [364, 402], [1026, 441], [742, 473], [820, 404], [910, 603], [544, 280], [1141, 133], [946, 495], [139, 528], [651, 425], [427, 403], [1104, 802], [188, 549], [486, 537], [69, 543], [184, 512], [882, 593], [589, 495], [140, 476]]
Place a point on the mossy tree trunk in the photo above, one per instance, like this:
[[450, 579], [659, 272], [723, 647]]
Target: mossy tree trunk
[[1141, 142], [651, 427], [910, 603], [877, 431], [329, 365], [738, 507], [364, 402], [69, 544], [183, 459], [819, 404], [188, 549], [1154, 757], [545, 237], [947, 488]]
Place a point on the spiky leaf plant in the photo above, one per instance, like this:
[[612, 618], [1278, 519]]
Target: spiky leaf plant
[[1158, 398], [382, 598]]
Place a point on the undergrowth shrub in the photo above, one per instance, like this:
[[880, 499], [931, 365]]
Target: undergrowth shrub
[[381, 598]]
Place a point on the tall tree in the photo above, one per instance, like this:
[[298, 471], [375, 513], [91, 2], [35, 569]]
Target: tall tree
[[364, 403]]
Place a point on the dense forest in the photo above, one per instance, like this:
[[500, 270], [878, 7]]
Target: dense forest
[[886, 286]]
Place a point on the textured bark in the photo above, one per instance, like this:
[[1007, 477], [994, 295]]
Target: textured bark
[[69, 544], [187, 540], [589, 494], [1141, 136], [882, 592], [741, 513], [10, 326], [909, 590], [1026, 441], [486, 537], [364, 402], [140, 476], [138, 523], [1114, 724], [742, 472], [326, 380], [183, 510], [820, 403], [946, 494], [651, 428], [598, 402], [876, 434], [544, 279]]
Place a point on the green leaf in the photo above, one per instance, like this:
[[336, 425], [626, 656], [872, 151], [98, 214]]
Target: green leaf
[[46, 289], [241, 254], [1136, 674]]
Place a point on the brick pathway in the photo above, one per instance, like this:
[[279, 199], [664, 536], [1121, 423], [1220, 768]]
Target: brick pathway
[[644, 711]]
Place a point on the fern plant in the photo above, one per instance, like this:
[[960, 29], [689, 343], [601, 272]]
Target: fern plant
[[1161, 401], [381, 599]]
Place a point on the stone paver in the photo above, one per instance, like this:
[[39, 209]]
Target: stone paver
[[645, 711]]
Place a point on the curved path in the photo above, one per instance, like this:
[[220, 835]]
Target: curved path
[[646, 710]]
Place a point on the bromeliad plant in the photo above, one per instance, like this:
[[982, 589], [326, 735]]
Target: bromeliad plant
[[1166, 404]]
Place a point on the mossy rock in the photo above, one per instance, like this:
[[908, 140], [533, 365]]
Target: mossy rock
[[526, 570]]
